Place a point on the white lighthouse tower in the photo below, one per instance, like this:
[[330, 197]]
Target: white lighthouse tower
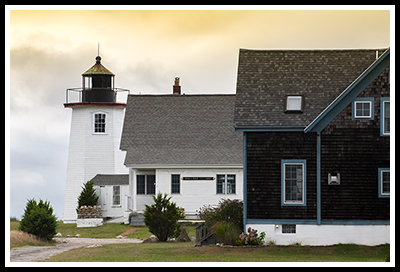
[[96, 127]]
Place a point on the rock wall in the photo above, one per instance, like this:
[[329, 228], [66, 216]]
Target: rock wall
[[89, 212]]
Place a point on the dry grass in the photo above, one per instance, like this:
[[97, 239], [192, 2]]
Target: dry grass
[[20, 238]]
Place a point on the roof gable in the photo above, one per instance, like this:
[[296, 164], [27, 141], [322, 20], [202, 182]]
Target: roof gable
[[181, 129], [267, 77], [350, 93]]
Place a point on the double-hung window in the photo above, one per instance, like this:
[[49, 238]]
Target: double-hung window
[[145, 184], [385, 116], [116, 195], [383, 182], [226, 184], [293, 182], [363, 108], [175, 184]]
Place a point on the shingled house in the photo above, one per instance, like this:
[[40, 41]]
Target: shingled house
[[182, 145], [316, 127]]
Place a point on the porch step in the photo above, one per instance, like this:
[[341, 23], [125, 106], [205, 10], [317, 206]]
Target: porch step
[[205, 236]]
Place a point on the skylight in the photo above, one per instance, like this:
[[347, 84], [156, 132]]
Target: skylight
[[294, 103]]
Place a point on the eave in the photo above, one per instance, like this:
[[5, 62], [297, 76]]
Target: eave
[[94, 104], [270, 128]]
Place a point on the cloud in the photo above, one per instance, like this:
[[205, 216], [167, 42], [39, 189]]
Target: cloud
[[24, 178]]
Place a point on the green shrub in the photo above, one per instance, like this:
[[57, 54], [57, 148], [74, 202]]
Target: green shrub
[[88, 196], [226, 232], [38, 219], [227, 211], [162, 218]]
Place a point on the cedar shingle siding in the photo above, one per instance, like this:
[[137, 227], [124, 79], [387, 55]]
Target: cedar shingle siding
[[265, 150], [355, 149]]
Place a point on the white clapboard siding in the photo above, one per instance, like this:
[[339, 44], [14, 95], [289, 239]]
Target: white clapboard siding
[[90, 154]]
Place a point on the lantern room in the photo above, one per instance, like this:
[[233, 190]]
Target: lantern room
[[98, 84]]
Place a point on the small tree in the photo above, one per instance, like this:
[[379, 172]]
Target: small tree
[[88, 196], [162, 217], [38, 219]]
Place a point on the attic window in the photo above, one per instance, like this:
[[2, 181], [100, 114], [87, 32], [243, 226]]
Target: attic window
[[294, 103]]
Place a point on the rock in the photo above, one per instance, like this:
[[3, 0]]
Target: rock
[[95, 245], [119, 237], [151, 239], [58, 235], [78, 235]]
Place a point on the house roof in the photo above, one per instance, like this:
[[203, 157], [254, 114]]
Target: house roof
[[266, 77], [115, 179], [181, 130], [350, 93]]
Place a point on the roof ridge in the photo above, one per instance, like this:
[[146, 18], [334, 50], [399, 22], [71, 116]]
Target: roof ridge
[[315, 49], [182, 95]]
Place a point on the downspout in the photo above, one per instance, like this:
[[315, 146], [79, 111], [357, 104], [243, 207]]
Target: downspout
[[244, 180], [319, 178]]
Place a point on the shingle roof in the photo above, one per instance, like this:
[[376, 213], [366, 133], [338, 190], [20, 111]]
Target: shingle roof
[[181, 130], [116, 179], [266, 77]]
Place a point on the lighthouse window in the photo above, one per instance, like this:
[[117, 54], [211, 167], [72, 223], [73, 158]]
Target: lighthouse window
[[99, 123]]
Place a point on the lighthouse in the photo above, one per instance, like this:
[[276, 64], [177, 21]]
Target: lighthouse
[[96, 127]]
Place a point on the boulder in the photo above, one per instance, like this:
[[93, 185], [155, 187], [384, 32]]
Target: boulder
[[151, 239]]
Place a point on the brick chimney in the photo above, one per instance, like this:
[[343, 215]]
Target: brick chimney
[[176, 89]]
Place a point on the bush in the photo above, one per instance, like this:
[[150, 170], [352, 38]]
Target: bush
[[38, 219], [162, 218], [88, 196], [227, 211], [251, 238], [226, 232]]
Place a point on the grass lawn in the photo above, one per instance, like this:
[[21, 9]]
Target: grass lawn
[[107, 230], [186, 252]]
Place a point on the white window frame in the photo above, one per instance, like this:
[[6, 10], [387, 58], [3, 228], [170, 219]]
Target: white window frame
[[384, 101], [94, 123], [118, 196], [380, 182], [146, 184], [294, 99], [285, 202], [363, 103], [225, 184], [172, 184]]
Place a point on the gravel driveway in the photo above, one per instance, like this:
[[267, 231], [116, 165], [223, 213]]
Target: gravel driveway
[[38, 253]]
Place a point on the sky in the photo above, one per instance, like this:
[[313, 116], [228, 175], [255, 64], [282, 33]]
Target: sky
[[48, 50]]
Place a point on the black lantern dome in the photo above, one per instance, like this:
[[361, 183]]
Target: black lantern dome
[[98, 84]]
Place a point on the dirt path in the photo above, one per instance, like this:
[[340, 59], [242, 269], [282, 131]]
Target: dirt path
[[38, 253]]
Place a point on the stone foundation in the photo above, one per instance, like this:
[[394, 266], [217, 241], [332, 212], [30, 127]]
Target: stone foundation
[[89, 216]]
